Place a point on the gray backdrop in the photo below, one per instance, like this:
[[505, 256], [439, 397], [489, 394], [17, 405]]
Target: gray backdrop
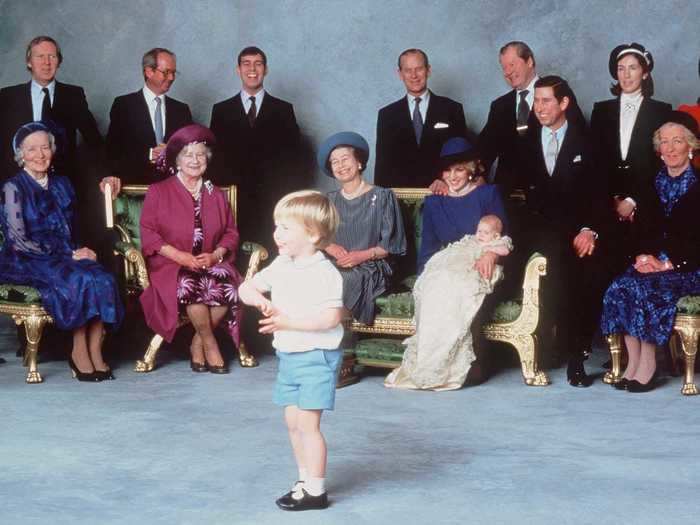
[[336, 61]]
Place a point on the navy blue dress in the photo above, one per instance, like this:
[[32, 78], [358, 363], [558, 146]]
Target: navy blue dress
[[37, 225], [448, 219], [643, 305]]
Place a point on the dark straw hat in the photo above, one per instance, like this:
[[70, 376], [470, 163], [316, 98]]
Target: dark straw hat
[[629, 49], [344, 138], [456, 150], [192, 134]]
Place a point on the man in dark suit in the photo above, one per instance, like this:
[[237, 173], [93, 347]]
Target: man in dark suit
[[257, 141], [411, 131], [563, 199], [44, 98], [140, 123]]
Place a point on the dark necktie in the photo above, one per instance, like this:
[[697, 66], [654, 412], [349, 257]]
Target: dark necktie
[[252, 112], [46, 105], [417, 120], [523, 112]]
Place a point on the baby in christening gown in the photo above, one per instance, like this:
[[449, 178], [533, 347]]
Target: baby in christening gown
[[447, 296]]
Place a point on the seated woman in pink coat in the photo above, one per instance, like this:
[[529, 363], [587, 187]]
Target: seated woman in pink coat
[[189, 240]]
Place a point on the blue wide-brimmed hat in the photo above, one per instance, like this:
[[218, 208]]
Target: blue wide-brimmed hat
[[456, 149], [344, 138]]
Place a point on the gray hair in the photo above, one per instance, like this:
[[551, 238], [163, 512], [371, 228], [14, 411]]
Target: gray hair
[[19, 156], [150, 58], [690, 137], [208, 152]]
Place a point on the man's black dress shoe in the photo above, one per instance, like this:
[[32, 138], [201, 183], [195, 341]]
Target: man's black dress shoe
[[622, 384], [306, 502], [576, 374]]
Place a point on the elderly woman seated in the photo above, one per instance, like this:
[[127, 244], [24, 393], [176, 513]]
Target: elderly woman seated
[[189, 242], [460, 245], [370, 230], [40, 250], [641, 303]]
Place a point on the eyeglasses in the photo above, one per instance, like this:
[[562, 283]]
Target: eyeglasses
[[167, 72]]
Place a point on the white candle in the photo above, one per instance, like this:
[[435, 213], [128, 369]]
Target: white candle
[[108, 206]]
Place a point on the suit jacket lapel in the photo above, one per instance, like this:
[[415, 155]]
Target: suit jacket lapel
[[640, 125], [146, 123], [405, 123], [26, 108]]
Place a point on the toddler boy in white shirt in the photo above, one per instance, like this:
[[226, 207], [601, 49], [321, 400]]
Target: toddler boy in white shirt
[[304, 313]]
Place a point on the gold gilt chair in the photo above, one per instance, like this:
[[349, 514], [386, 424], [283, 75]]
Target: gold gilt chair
[[513, 322], [124, 214], [23, 304], [686, 328]]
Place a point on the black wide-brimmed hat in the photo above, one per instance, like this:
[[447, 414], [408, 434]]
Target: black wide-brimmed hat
[[629, 49], [344, 138], [456, 149], [684, 119]]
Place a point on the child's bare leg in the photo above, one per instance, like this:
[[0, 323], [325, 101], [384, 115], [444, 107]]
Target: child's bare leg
[[291, 417], [314, 445]]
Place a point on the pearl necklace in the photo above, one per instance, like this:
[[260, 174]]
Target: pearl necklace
[[355, 193], [193, 191]]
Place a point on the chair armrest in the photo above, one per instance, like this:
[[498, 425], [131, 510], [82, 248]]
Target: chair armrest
[[257, 254], [135, 257]]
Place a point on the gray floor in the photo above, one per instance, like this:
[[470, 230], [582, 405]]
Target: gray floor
[[176, 447]]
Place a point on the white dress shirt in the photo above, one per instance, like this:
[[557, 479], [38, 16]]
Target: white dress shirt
[[629, 109], [422, 107], [38, 97], [151, 97], [245, 98], [530, 97]]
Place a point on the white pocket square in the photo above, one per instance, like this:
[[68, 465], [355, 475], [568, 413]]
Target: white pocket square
[[577, 158], [441, 125]]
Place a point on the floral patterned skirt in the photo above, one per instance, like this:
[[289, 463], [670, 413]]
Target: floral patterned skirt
[[643, 305], [215, 286]]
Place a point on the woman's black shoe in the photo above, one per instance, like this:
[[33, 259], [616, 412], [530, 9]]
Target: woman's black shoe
[[218, 369], [198, 367], [623, 384], [90, 377], [105, 375], [636, 387]]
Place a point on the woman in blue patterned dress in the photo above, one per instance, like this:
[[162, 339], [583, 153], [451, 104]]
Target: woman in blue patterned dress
[[371, 229], [40, 250], [189, 240], [641, 303]]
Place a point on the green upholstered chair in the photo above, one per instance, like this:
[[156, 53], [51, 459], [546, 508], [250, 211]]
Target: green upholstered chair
[[126, 214], [686, 328], [513, 322]]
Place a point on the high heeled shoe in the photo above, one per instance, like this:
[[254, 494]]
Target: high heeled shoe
[[636, 387], [89, 377], [105, 375], [622, 384], [198, 367]]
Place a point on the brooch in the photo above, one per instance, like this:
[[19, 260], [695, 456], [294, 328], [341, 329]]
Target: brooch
[[209, 186]]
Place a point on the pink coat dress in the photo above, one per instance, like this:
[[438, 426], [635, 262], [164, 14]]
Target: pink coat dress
[[168, 218]]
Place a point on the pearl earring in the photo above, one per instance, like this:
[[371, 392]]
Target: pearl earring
[[690, 155], [359, 166], [662, 157]]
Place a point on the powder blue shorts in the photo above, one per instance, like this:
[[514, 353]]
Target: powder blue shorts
[[307, 379]]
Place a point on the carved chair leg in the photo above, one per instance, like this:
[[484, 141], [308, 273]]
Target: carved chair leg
[[148, 362], [527, 351], [34, 327], [675, 354], [689, 344], [246, 359], [615, 373]]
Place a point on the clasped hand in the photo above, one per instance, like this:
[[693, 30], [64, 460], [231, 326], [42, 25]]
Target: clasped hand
[[344, 258], [625, 210], [196, 262], [649, 264], [584, 243], [84, 253]]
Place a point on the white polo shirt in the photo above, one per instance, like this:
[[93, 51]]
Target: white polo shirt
[[302, 288]]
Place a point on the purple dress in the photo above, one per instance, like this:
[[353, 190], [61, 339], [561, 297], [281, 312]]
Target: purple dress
[[214, 286]]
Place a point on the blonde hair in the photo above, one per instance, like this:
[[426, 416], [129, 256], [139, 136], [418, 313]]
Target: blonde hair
[[690, 137], [494, 221], [312, 209]]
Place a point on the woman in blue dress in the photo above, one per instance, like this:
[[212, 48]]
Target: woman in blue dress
[[641, 303], [453, 280], [40, 250]]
